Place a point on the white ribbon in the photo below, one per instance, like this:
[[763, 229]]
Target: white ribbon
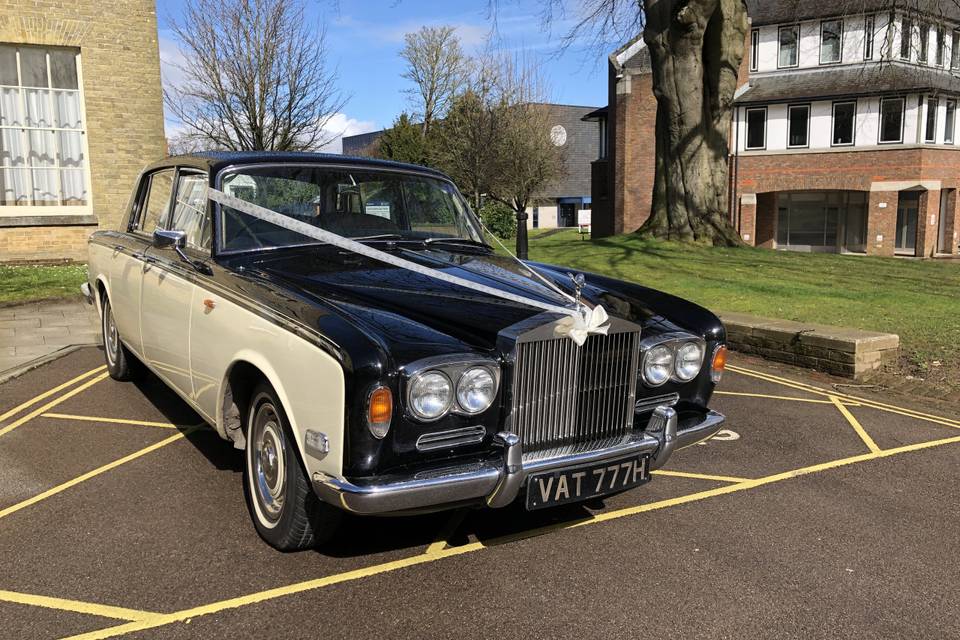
[[579, 323]]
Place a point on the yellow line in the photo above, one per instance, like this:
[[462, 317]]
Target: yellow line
[[698, 476], [76, 606], [47, 394], [90, 474], [142, 423], [771, 397], [423, 558], [36, 412], [442, 539], [867, 440], [873, 404]]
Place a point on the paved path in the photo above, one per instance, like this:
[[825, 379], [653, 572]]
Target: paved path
[[38, 329]]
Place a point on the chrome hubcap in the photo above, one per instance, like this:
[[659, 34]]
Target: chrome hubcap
[[269, 468], [111, 337]]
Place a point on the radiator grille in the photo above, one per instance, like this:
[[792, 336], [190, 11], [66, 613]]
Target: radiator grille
[[567, 397]]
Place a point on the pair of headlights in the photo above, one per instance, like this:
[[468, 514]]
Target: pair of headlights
[[434, 393], [680, 360]]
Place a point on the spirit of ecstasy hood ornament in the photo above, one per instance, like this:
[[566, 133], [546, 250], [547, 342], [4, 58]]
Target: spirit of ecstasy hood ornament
[[578, 283]]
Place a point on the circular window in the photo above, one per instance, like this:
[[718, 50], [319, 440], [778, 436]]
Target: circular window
[[558, 135]]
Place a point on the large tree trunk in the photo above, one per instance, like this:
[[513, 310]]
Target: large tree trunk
[[696, 47]]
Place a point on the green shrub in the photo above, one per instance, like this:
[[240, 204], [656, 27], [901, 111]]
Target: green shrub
[[500, 219]]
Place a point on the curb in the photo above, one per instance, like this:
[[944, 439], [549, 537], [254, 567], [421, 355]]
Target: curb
[[19, 370]]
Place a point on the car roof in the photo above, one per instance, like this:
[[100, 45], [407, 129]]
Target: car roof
[[215, 161]]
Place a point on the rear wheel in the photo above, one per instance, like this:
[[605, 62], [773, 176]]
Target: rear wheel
[[285, 510], [120, 362]]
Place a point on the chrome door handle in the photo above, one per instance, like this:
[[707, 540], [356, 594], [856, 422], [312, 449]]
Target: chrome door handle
[[119, 247]]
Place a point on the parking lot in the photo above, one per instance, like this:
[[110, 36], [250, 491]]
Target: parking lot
[[815, 514]]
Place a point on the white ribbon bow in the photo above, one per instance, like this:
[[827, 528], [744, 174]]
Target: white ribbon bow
[[585, 322]]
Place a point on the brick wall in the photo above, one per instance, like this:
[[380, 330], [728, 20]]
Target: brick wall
[[120, 65], [634, 111], [881, 172]]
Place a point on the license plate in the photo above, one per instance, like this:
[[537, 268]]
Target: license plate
[[552, 488]]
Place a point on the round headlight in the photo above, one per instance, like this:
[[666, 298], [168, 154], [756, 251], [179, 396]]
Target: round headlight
[[657, 365], [689, 359], [476, 389], [430, 395]]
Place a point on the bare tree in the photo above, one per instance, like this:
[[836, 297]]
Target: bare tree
[[437, 67], [255, 76]]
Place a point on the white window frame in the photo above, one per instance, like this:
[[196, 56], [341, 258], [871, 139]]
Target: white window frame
[[839, 59], [932, 108], [950, 122], [806, 135], [746, 128], [796, 28], [903, 121], [940, 56], [869, 33], [906, 37], [923, 43], [833, 124], [754, 49], [14, 210], [955, 50]]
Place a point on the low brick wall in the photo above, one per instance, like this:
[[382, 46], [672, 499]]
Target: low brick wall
[[846, 352]]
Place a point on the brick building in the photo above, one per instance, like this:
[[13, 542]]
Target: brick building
[[843, 137], [81, 112], [559, 202]]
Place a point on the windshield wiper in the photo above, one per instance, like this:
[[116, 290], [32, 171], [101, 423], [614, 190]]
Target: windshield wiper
[[381, 237], [458, 242]]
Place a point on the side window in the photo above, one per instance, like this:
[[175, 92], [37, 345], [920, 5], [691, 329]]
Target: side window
[[153, 211], [190, 210]]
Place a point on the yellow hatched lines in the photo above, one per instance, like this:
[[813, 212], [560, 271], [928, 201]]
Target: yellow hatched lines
[[50, 405], [434, 554], [867, 440], [698, 476], [76, 606], [141, 423]]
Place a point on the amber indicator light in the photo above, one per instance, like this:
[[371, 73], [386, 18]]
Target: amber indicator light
[[719, 362], [380, 409]]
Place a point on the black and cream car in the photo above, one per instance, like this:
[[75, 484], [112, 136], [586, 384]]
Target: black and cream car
[[356, 385]]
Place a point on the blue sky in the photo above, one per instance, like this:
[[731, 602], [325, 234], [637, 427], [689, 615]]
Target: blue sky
[[364, 39]]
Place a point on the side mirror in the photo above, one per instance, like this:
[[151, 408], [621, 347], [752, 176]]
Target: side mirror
[[163, 238]]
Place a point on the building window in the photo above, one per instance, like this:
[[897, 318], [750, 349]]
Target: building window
[[906, 37], [891, 120], [536, 217], [941, 46], [798, 116], [831, 39], [950, 122], [789, 46], [603, 138], [955, 51], [869, 33], [757, 128], [754, 49], [924, 43], [844, 119], [933, 105], [42, 132]]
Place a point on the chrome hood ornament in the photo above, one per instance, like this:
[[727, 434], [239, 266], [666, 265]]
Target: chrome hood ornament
[[579, 281]]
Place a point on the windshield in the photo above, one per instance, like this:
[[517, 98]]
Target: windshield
[[358, 204]]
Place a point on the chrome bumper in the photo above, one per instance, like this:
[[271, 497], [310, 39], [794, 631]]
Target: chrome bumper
[[497, 482]]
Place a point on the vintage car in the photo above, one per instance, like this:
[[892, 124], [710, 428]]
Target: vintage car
[[357, 385]]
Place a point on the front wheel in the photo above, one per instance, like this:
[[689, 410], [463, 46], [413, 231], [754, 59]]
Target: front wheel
[[285, 510]]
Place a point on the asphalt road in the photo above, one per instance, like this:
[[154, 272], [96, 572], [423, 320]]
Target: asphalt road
[[815, 515]]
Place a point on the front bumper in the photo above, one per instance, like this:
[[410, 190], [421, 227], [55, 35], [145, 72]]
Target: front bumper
[[497, 481]]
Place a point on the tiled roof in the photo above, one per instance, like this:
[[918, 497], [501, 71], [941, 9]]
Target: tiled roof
[[777, 11], [853, 80]]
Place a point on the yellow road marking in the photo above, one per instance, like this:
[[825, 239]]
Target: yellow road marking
[[769, 397], [77, 606], [873, 404], [50, 405], [142, 423], [46, 394], [90, 474], [423, 558], [867, 440], [698, 476], [440, 543]]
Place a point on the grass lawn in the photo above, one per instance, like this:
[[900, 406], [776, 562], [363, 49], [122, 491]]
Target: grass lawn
[[917, 299], [29, 283]]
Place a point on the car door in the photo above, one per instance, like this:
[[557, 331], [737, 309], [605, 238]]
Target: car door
[[168, 295], [149, 212]]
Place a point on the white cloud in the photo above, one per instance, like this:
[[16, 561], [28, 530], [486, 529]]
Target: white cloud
[[342, 125]]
